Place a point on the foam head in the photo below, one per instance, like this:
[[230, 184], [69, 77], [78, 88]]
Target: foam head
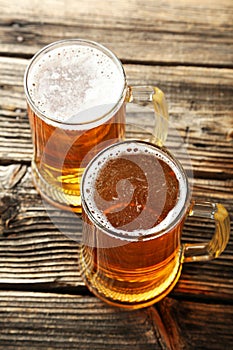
[[148, 180], [75, 81]]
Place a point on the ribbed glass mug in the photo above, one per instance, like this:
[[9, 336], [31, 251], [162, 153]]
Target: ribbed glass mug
[[76, 93], [136, 198]]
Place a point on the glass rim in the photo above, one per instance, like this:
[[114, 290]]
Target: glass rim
[[65, 42], [117, 233]]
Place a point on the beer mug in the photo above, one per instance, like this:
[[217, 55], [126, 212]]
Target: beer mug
[[76, 92], [136, 198]]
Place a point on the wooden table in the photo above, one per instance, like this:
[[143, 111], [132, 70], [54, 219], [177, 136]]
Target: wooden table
[[185, 48]]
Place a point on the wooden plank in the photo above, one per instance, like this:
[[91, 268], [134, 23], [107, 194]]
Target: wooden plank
[[199, 33], [41, 242], [192, 325], [30, 320], [55, 321]]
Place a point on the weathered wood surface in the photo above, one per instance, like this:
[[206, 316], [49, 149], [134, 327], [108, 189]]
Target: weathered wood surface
[[193, 325], [186, 48], [65, 321], [144, 31], [72, 322]]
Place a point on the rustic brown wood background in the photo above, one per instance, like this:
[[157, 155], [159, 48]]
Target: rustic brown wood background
[[185, 48]]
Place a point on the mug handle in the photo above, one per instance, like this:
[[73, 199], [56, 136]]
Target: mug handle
[[145, 95], [213, 248]]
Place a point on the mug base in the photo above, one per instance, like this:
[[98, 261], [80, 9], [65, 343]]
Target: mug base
[[128, 300], [53, 195]]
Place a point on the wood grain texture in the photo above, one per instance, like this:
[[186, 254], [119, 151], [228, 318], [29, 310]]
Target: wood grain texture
[[197, 325], [155, 31], [62, 321], [58, 321]]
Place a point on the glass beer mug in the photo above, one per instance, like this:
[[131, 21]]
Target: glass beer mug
[[76, 93], [136, 198]]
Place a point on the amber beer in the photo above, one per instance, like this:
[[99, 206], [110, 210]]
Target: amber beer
[[134, 202], [75, 93]]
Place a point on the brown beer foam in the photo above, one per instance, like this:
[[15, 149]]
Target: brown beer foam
[[103, 202]]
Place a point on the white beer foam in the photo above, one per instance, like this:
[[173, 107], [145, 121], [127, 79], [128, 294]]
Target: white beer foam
[[75, 83], [120, 150]]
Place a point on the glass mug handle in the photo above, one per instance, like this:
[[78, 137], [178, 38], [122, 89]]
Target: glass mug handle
[[213, 248], [145, 95]]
